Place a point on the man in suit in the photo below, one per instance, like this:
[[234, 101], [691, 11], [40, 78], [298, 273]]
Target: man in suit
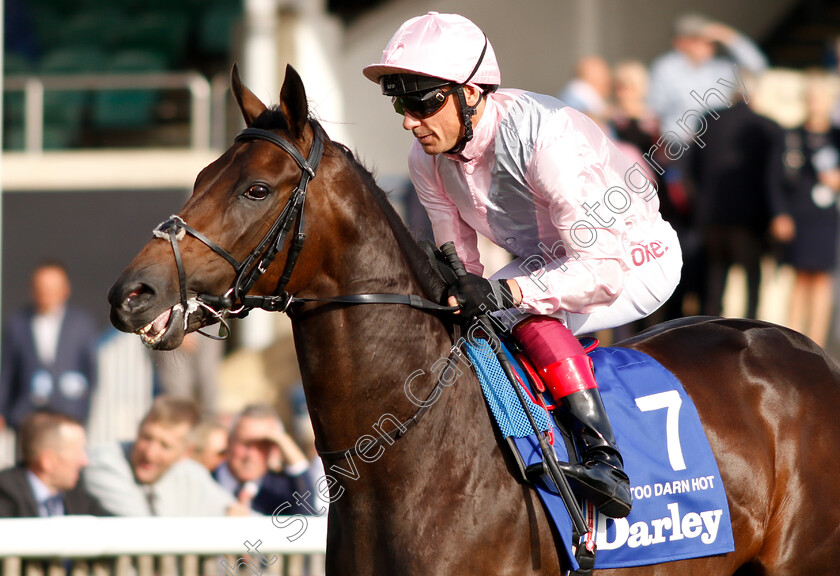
[[47, 483], [153, 475], [48, 353], [264, 468], [740, 201]]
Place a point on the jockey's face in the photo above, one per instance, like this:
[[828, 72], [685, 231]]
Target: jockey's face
[[442, 131]]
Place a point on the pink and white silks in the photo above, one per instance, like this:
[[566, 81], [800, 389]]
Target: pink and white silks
[[543, 181]]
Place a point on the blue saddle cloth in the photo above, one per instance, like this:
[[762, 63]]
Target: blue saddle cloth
[[680, 509]]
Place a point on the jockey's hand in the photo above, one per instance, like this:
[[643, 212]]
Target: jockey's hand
[[477, 295]]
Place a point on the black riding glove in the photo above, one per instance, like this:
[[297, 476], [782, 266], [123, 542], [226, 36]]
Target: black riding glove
[[478, 295]]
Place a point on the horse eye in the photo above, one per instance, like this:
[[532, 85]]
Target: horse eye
[[257, 192]]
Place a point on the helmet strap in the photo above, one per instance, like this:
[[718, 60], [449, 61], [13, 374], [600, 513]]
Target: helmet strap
[[466, 113]]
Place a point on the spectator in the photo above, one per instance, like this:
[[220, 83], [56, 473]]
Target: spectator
[[209, 446], [694, 66], [833, 62], [740, 201], [47, 482], [631, 118], [191, 371], [812, 163], [265, 469], [152, 476], [589, 90], [305, 434], [48, 353], [634, 123]]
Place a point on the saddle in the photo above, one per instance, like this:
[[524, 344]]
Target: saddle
[[680, 508]]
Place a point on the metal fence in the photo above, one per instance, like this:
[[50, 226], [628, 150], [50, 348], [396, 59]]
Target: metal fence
[[85, 545], [207, 99]]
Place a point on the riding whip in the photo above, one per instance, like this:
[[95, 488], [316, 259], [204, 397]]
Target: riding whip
[[554, 472]]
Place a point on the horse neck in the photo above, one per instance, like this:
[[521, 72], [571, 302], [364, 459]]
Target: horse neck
[[355, 360]]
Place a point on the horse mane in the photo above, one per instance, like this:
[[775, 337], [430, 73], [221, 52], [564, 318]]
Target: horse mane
[[429, 278]]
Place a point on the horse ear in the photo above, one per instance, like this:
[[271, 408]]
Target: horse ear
[[293, 101], [249, 104]]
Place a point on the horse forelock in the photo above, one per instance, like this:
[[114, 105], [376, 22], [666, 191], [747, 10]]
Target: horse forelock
[[272, 119], [426, 275]]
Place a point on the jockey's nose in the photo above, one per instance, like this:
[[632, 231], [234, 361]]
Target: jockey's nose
[[410, 122]]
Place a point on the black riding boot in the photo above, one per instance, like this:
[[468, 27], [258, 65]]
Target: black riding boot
[[600, 475]]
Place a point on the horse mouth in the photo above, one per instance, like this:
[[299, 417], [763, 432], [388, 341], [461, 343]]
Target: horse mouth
[[161, 332]]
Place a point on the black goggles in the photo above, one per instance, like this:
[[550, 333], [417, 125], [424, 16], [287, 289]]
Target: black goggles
[[422, 105]]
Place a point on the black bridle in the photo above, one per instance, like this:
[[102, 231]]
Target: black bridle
[[249, 270]]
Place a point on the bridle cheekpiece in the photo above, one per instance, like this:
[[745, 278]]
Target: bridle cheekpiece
[[257, 262], [249, 270]]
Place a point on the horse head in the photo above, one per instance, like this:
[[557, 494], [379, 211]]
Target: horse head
[[240, 233]]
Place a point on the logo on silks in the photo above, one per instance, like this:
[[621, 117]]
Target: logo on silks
[[679, 504]]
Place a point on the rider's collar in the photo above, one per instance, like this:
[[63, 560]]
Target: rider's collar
[[484, 131]]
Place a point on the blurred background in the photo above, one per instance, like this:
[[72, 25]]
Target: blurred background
[[110, 109]]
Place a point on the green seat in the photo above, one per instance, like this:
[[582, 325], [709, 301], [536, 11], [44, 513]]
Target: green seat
[[163, 32], [13, 138], [48, 22], [16, 64], [73, 59], [84, 30], [58, 137], [216, 28], [14, 108], [133, 108], [14, 111], [66, 108]]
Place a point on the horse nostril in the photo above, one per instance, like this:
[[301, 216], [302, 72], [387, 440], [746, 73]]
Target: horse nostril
[[137, 298]]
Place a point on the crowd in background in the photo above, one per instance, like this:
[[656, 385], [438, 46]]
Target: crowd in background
[[179, 464], [188, 457], [735, 185]]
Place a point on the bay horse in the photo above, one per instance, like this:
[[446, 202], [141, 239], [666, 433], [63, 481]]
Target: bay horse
[[442, 498]]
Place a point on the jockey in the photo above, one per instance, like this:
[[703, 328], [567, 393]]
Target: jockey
[[542, 181]]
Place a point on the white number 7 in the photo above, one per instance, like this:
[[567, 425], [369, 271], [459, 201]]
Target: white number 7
[[672, 401]]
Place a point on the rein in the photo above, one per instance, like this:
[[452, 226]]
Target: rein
[[249, 271]]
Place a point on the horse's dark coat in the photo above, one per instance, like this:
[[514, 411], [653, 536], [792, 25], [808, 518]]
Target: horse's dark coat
[[443, 499]]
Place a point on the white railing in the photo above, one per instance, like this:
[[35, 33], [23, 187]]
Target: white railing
[[34, 87], [163, 546]]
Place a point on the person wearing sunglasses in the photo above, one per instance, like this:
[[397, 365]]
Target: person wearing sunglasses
[[541, 180]]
